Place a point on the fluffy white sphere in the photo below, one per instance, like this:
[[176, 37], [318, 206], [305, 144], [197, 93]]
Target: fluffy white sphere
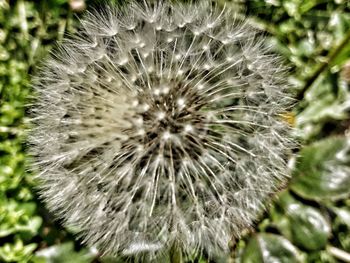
[[159, 126]]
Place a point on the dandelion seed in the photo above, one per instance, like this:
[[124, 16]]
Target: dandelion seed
[[158, 126]]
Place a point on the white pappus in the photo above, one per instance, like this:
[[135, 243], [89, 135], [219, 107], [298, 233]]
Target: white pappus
[[159, 126]]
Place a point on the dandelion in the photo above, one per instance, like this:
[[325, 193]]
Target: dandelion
[[159, 126]]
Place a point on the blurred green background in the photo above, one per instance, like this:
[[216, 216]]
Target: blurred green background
[[308, 222]]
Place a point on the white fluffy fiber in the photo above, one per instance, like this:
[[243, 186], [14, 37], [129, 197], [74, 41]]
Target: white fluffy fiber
[[160, 126]]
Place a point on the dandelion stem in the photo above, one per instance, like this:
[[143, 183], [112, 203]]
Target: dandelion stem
[[176, 255]]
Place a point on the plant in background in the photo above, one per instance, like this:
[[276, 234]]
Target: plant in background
[[158, 129]]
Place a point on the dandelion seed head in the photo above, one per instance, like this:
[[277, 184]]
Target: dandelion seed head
[[158, 125]]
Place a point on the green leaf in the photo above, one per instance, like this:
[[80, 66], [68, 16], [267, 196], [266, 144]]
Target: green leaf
[[17, 252], [309, 229], [64, 253], [304, 225], [323, 103], [31, 227], [322, 170], [322, 256], [270, 248], [343, 215]]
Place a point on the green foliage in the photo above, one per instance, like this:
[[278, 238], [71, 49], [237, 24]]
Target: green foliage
[[309, 221], [17, 251], [25, 35], [313, 213], [322, 170], [270, 248], [305, 225], [63, 253]]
